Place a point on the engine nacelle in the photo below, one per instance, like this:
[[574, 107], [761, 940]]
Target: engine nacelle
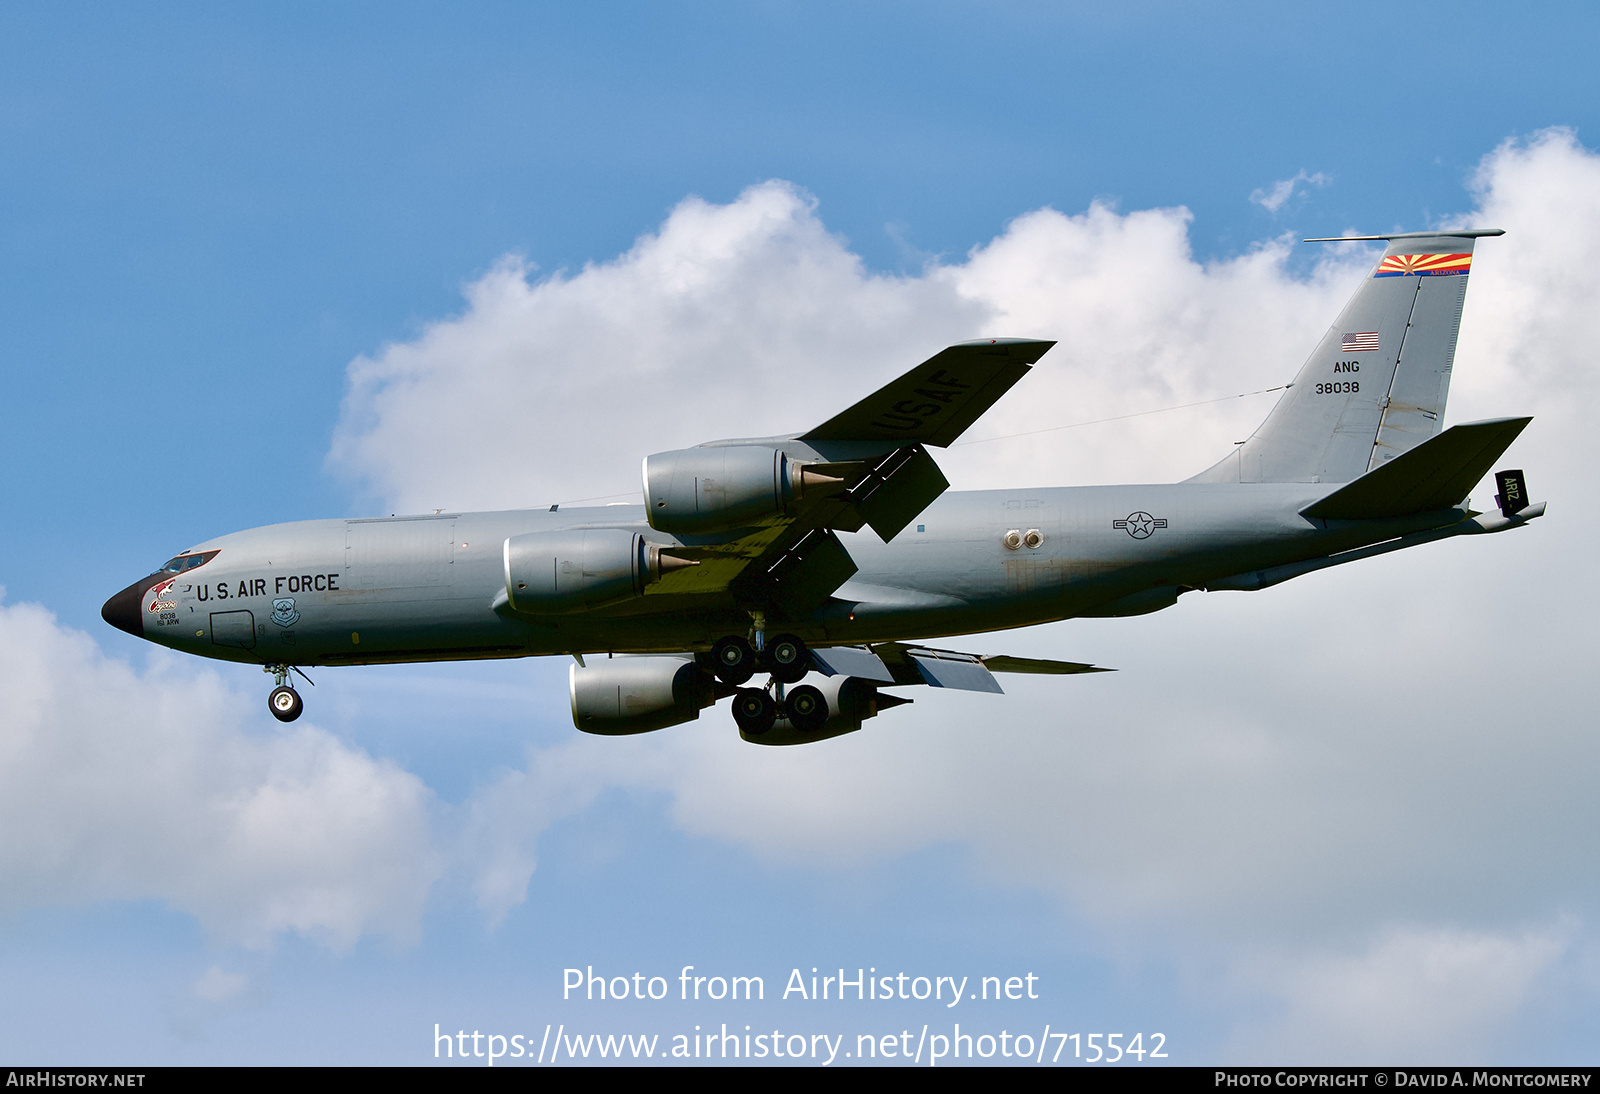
[[851, 701], [622, 695], [550, 573], [694, 491]]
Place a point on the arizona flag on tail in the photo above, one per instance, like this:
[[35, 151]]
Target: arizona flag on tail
[[1375, 386], [1423, 265]]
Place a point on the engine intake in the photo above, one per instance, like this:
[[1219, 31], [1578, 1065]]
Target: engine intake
[[623, 695]]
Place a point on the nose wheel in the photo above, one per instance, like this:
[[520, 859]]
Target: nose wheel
[[284, 702]]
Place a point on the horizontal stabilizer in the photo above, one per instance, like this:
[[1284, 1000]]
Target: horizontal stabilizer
[[1443, 233], [935, 402], [1436, 474]]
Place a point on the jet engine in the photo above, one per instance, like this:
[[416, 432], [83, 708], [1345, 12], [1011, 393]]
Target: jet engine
[[555, 572], [851, 701], [695, 491], [622, 695]]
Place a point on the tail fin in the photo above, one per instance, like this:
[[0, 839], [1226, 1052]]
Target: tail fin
[[1376, 385]]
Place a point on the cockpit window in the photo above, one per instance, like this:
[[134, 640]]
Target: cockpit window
[[184, 563]]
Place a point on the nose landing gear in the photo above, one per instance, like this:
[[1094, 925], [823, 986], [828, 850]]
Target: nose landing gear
[[284, 702]]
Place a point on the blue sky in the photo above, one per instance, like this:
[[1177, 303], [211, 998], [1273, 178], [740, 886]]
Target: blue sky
[[232, 234], [235, 203]]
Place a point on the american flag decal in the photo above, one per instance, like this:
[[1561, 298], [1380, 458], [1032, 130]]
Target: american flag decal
[[1423, 265], [1365, 342]]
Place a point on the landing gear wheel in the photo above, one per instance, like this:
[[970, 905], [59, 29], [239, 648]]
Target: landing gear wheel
[[285, 704], [805, 708], [735, 660], [755, 711], [787, 658]]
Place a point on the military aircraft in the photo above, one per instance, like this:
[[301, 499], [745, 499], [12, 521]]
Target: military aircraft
[[749, 556]]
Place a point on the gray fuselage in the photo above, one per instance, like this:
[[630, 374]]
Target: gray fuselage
[[425, 588]]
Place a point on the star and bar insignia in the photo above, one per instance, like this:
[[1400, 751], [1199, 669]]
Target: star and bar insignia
[[1140, 525]]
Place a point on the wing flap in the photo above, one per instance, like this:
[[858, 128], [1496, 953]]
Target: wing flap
[[852, 661], [805, 575], [913, 664], [961, 671], [903, 485]]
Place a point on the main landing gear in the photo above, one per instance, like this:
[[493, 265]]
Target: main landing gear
[[784, 656], [755, 709], [284, 702], [786, 659]]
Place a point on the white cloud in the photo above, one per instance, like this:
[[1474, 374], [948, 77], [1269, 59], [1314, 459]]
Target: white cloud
[[750, 319], [1413, 996], [213, 994], [1278, 194], [217, 985], [732, 318], [116, 785], [1405, 741]]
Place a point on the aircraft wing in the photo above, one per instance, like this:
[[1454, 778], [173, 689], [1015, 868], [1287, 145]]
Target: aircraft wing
[[866, 467], [935, 402], [909, 663]]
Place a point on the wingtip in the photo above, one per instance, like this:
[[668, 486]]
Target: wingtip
[[1045, 342], [1026, 350]]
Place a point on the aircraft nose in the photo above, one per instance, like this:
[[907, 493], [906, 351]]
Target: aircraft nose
[[122, 610]]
